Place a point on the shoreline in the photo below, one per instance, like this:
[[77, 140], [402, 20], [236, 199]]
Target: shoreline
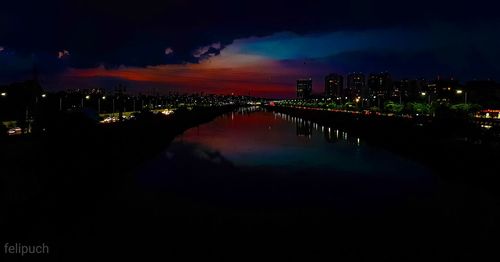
[[440, 145], [52, 178]]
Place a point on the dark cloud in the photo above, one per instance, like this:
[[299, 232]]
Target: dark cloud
[[18, 66], [408, 38], [136, 33]]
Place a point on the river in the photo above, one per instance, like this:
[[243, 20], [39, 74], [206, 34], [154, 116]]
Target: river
[[295, 182], [252, 142]]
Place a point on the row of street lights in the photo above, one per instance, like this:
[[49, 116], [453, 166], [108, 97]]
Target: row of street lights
[[458, 92], [4, 94], [87, 97]]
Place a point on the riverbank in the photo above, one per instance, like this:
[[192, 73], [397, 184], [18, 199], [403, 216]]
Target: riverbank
[[453, 149], [53, 182]]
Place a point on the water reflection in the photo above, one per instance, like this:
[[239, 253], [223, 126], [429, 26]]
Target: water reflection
[[331, 135], [254, 138], [258, 158], [304, 128], [248, 110], [266, 164]]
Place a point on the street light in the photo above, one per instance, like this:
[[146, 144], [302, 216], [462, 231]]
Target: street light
[[3, 94], [44, 95], [428, 97], [86, 97], [459, 92], [99, 103]]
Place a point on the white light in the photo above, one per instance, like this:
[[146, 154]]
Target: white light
[[87, 97], [459, 92], [44, 95], [4, 94], [167, 112]]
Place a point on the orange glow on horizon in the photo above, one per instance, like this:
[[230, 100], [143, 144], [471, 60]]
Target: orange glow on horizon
[[247, 74]]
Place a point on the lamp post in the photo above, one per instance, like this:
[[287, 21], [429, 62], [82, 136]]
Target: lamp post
[[99, 104], [42, 96], [86, 97], [428, 97], [459, 92]]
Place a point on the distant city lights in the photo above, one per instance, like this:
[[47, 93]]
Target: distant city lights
[[167, 112]]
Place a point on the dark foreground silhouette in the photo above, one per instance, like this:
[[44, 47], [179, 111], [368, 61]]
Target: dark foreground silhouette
[[75, 190]]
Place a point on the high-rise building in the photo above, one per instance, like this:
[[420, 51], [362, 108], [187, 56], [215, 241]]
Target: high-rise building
[[400, 89], [380, 85], [356, 85], [304, 88], [408, 89], [443, 89], [334, 85]]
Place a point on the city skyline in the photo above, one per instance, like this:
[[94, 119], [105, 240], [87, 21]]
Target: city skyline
[[85, 45]]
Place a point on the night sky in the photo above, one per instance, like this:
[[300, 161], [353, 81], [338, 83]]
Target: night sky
[[243, 47]]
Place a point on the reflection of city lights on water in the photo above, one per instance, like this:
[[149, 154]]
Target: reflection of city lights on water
[[326, 130]]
